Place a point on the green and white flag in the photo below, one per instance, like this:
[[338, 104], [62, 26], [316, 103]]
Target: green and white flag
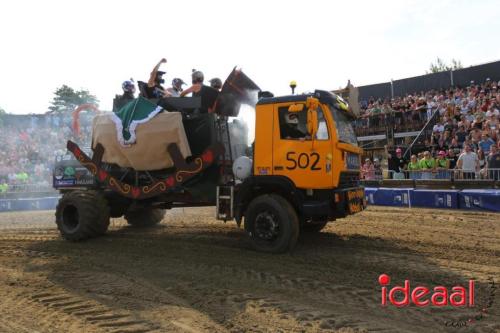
[[138, 111]]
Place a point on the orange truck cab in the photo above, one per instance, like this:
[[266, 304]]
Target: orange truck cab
[[305, 172]]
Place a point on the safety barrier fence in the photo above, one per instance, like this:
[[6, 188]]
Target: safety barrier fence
[[397, 122], [466, 199], [20, 204], [27, 188]]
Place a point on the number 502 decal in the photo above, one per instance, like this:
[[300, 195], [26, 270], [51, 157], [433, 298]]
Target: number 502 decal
[[302, 161]]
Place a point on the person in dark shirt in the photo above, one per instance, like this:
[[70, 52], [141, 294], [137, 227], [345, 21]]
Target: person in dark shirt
[[396, 163], [452, 157], [197, 79], [449, 126], [128, 95], [493, 165], [461, 135], [216, 83], [207, 94]]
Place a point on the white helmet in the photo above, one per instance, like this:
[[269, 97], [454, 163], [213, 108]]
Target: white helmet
[[292, 118]]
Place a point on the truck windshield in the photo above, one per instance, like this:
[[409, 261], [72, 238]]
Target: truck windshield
[[345, 131]]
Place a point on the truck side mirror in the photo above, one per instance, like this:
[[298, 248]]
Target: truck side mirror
[[312, 116], [312, 122]]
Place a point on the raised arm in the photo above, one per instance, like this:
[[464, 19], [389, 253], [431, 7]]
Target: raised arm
[[193, 89], [152, 76], [187, 91]]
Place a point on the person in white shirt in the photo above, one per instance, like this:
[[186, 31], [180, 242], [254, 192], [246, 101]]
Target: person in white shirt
[[176, 89], [438, 128], [468, 162]]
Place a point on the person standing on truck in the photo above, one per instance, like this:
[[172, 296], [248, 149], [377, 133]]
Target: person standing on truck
[[216, 83], [155, 88], [128, 95], [176, 89], [197, 79], [207, 94]]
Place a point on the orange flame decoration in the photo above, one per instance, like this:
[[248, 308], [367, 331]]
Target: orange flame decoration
[[76, 118]]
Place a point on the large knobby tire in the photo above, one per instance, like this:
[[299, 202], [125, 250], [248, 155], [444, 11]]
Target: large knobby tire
[[145, 217], [311, 227], [272, 224], [82, 214]]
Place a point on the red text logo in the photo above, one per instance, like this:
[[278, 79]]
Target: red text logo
[[401, 296]]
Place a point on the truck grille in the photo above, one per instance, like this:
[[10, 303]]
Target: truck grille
[[349, 179]]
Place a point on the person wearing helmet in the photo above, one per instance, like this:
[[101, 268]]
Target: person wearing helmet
[[128, 94], [197, 79], [155, 88], [176, 89], [291, 129], [216, 83], [207, 95]]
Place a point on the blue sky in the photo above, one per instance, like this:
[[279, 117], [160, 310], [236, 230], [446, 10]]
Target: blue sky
[[320, 44]]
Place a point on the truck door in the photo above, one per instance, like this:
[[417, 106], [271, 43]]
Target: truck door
[[307, 162]]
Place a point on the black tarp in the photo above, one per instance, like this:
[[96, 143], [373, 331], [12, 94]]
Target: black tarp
[[417, 84], [478, 74], [379, 90], [436, 81]]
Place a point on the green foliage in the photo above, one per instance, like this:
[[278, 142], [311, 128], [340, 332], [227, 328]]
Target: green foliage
[[441, 66], [2, 114], [66, 99]]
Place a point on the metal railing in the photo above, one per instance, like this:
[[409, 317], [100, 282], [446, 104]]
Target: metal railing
[[443, 174], [397, 121]]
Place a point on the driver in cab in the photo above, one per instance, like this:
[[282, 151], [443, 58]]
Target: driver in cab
[[291, 129]]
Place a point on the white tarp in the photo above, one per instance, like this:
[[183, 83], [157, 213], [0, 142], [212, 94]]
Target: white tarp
[[150, 150]]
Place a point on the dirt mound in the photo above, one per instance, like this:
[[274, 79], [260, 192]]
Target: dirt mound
[[194, 274]]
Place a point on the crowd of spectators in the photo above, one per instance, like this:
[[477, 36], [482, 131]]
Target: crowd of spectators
[[406, 113], [464, 141], [28, 146]]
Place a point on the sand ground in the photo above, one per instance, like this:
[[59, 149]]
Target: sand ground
[[195, 274]]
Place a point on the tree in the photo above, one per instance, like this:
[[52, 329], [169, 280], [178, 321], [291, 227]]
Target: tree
[[441, 66], [2, 115], [66, 99]]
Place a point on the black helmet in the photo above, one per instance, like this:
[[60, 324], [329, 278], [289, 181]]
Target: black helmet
[[197, 77], [216, 83], [159, 77]]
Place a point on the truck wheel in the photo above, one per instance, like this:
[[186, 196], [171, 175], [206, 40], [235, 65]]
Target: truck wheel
[[272, 223], [311, 227], [145, 217], [82, 214]]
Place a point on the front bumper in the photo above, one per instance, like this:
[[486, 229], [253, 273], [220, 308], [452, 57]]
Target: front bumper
[[342, 202]]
